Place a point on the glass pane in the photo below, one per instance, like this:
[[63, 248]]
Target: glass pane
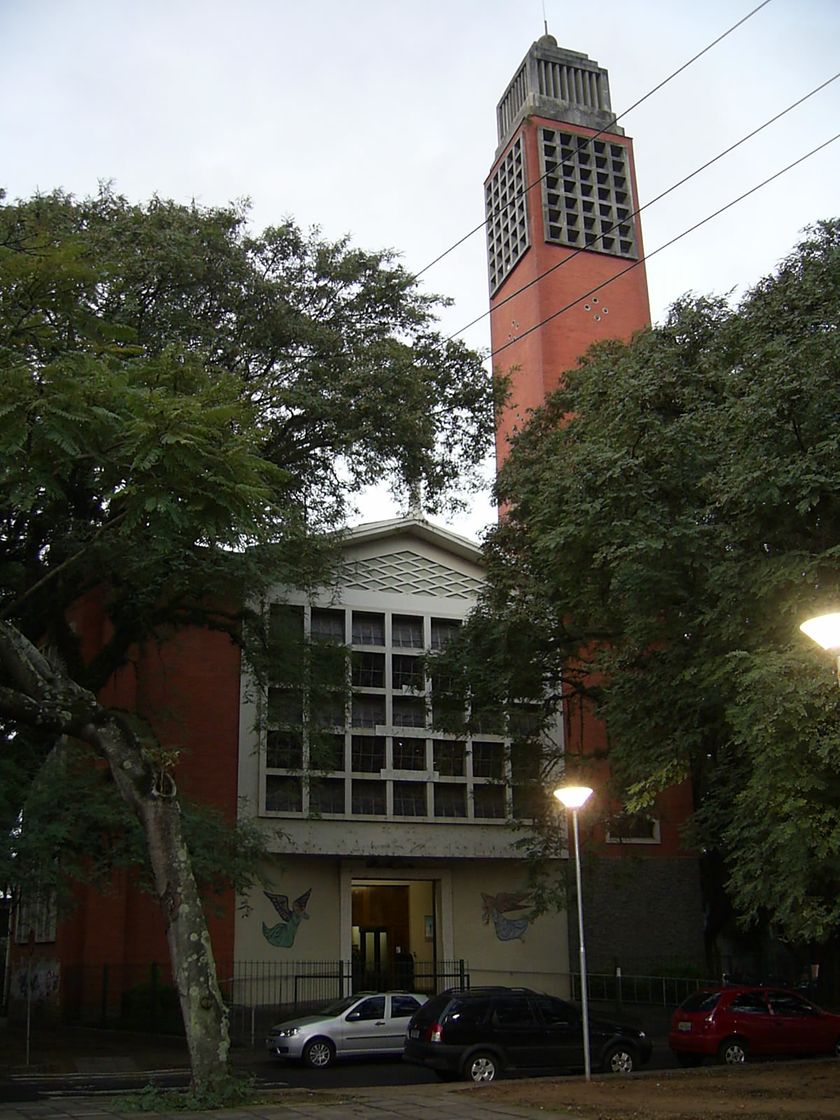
[[408, 672], [450, 758], [369, 798], [489, 802], [409, 799], [409, 754], [488, 760], [283, 795], [450, 801], [368, 754], [327, 626], [326, 795], [407, 631], [284, 750], [443, 630], [285, 705], [368, 711], [368, 670], [368, 629], [409, 712]]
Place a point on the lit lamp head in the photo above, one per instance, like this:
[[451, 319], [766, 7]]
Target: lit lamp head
[[824, 629], [573, 797]]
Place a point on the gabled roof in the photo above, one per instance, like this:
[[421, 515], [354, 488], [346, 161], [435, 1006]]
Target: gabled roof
[[419, 527]]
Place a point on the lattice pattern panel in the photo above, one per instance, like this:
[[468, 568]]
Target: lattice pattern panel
[[506, 208], [587, 202], [410, 574]]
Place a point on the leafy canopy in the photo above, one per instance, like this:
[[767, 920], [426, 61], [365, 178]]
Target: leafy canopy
[[674, 513]]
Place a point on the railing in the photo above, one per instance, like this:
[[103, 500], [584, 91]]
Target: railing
[[661, 991]]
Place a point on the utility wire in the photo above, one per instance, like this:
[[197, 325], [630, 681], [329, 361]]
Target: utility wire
[[639, 209], [595, 136], [666, 245]]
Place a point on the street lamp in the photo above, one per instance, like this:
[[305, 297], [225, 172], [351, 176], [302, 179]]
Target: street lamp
[[574, 798], [825, 631]]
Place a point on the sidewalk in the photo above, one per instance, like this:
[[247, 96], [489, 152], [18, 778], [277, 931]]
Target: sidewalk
[[406, 1102]]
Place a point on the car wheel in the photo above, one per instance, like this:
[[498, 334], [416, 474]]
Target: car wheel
[[689, 1061], [319, 1053], [619, 1059], [481, 1068], [732, 1052]]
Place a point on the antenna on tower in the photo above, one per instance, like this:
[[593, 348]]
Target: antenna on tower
[[545, 18]]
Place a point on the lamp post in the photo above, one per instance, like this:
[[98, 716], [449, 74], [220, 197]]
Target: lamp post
[[574, 798], [824, 629]]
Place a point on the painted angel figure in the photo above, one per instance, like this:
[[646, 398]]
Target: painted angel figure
[[495, 907], [283, 934]]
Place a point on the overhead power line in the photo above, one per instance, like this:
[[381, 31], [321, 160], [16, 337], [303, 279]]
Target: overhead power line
[[646, 205], [666, 245], [606, 128]]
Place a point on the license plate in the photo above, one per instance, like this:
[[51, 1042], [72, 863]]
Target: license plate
[[683, 1026]]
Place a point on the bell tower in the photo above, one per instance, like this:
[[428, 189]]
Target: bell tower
[[560, 202]]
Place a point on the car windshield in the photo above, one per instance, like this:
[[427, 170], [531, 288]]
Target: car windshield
[[700, 1001], [339, 1005]]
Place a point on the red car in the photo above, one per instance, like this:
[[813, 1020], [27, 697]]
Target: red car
[[737, 1022]]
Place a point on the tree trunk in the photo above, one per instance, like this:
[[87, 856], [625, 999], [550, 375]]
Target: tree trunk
[[37, 694]]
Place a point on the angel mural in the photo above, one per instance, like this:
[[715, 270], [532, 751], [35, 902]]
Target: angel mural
[[283, 934], [496, 907]]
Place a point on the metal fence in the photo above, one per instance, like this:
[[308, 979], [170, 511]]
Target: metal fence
[[658, 991]]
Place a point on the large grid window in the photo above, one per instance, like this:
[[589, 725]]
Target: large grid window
[[506, 210], [587, 202], [349, 730]]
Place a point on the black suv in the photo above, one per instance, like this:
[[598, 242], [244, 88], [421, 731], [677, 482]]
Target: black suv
[[480, 1033]]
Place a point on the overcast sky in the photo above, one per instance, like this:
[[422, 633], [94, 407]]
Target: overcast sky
[[377, 118]]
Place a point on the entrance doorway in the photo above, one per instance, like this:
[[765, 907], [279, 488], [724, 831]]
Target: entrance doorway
[[393, 931]]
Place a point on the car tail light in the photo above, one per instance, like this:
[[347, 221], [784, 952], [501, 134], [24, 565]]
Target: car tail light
[[434, 1033]]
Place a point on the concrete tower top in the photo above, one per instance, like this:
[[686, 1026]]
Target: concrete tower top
[[559, 84]]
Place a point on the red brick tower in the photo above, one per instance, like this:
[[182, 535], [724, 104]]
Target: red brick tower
[[560, 205], [563, 237]]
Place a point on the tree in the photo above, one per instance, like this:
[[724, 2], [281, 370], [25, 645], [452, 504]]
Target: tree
[[673, 513], [186, 410]]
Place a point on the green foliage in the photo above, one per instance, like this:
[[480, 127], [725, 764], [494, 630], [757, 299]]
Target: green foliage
[[226, 1092], [674, 513], [187, 409]]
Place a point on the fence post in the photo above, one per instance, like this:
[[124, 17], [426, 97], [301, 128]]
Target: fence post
[[104, 1008], [153, 994], [619, 994], [461, 974]]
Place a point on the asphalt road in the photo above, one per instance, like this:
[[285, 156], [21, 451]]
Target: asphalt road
[[354, 1073]]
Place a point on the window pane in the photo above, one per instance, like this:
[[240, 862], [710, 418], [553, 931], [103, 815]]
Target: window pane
[[408, 672], [369, 797], [368, 670], [407, 631], [450, 801], [368, 711], [449, 758], [489, 802], [284, 750], [326, 795], [368, 754], [409, 799], [368, 629], [409, 712], [285, 706], [283, 795], [327, 626], [488, 760], [443, 630], [409, 754], [326, 752], [328, 710]]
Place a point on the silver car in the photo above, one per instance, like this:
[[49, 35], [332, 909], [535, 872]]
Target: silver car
[[364, 1024]]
